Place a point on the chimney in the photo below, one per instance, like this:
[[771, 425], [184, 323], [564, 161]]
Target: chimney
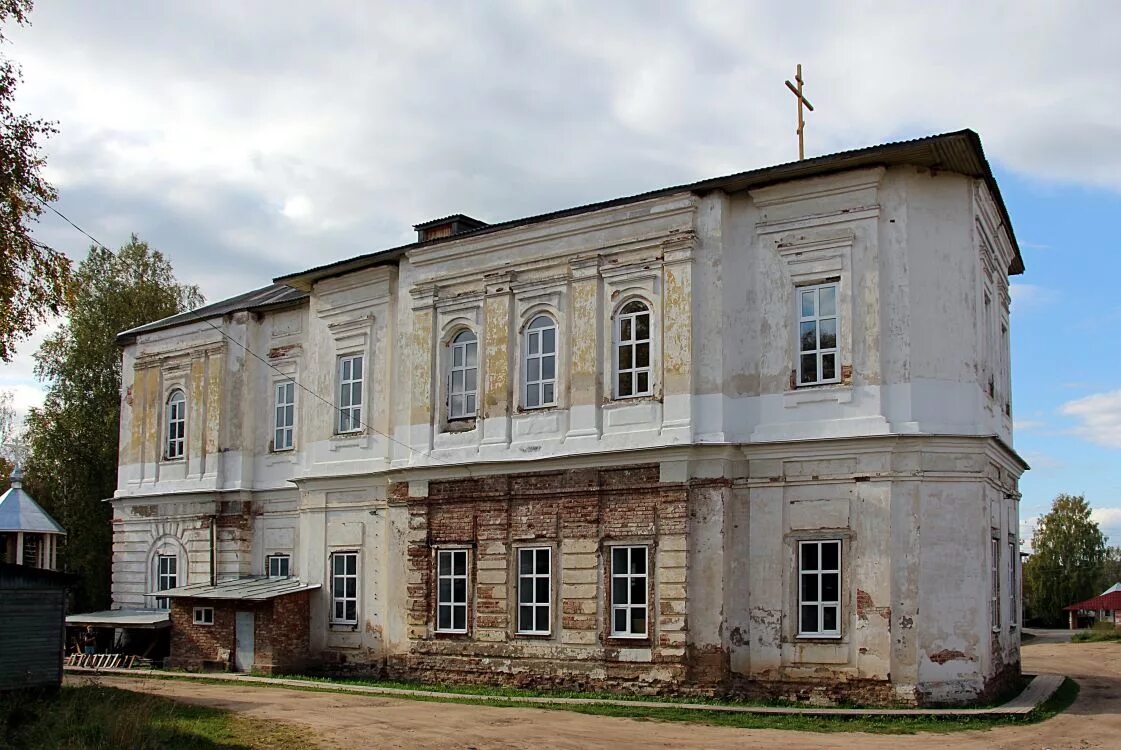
[[446, 227]]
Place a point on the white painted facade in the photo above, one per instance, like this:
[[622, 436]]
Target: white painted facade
[[907, 458]]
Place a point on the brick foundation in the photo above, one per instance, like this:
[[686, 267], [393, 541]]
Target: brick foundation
[[280, 634]]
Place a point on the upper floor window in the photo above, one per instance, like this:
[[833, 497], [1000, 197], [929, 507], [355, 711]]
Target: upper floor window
[[285, 412], [463, 375], [541, 362], [176, 425], [817, 335], [819, 588], [167, 577], [350, 393], [278, 566], [632, 351]]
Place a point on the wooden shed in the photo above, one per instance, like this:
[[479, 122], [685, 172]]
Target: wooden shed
[[32, 608]]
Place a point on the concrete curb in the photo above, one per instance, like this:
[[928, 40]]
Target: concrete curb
[[1040, 689]]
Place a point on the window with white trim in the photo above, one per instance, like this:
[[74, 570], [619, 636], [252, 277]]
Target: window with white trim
[[463, 376], [540, 362], [819, 588], [994, 596], [451, 591], [629, 592], [350, 393], [632, 351], [344, 588], [176, 443], [535, 590], [817, 335], [1013, 585], [167, 577], [278, 566], [284, 415], [203, 616]]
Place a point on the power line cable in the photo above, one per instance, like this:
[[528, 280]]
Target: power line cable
[[264, 361]]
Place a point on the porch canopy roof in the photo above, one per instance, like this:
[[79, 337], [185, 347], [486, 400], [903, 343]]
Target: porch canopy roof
[[1109, 601], [254, 589], [150, 619]]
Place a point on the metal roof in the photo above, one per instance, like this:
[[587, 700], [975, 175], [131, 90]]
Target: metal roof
[[254, 589], [1110, 601], [959, 152], [123, 618], [18, 512], [272, 295]]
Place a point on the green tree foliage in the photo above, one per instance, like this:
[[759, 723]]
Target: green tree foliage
[[35, 280], [1111, 569], [1068, 551], [72, 439]]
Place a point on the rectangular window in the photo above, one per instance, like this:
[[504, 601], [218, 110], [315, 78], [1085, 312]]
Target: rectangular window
[[277, 566], [350, 393], [817, 335], [166, 578], [819, 588], [451, 591], [535, 591], [541, 363], [203, 616], [344, 588], [1013, 585], [629, 592], [994, 601], [285, 416], [632, 351]]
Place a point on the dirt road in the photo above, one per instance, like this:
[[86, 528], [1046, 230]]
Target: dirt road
[[345, 721]]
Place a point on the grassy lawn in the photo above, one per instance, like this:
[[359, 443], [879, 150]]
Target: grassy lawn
[[93, 717], [1096, 635]]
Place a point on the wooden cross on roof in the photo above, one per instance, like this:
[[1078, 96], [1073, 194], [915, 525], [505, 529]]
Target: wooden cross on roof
[[802, 100]]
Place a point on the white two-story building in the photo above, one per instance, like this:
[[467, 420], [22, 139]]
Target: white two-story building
[[750, 435]]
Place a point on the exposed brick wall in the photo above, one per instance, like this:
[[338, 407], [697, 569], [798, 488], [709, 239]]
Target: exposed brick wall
[[578, 514], [280, 634]]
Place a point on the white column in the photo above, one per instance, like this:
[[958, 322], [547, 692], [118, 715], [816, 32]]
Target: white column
[[19, 548]]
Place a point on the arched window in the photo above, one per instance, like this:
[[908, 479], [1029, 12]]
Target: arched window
[[167, 568], [540, 362], [632, 351], [176, 425], [463, 376]]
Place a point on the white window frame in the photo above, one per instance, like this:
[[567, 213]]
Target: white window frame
[[349, 406], [344, 576], [624, 322], [278, 558], [528, 599], [451, 603], [284, 416], [463, 366], [994, 600], [202, 616], [816, 318], [819, 603], [175, 445], [536, 358], [623, 580], [167, 577]]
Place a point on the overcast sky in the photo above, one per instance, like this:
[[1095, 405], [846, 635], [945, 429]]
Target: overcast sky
[[251, 139]]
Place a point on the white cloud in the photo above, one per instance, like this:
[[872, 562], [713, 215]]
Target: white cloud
[[1099, 416], [1109, 519], [1029, 296]]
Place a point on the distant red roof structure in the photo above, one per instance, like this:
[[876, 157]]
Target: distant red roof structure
[[1109, 601]]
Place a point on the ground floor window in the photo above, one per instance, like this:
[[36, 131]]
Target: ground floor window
[[534, 590], [344, 588], [167, 576], [451, 591], [994, 598], [819, 588], [203, 616], [629, 592]]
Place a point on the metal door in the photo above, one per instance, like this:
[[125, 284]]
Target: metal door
[[243, 633]]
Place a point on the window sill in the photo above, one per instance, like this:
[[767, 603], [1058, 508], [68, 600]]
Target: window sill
[[809, 394], [817, 637], [460, 424], [343, 625], [532, 636], [629, 639]]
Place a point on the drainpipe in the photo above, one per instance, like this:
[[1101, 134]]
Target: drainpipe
[[213, 550]]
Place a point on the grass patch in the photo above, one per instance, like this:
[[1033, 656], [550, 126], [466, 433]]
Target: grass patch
[[1062, 699], [1097, 635], [93, 717]]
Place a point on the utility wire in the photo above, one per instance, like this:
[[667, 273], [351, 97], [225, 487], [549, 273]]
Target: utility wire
[[264, 361]]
